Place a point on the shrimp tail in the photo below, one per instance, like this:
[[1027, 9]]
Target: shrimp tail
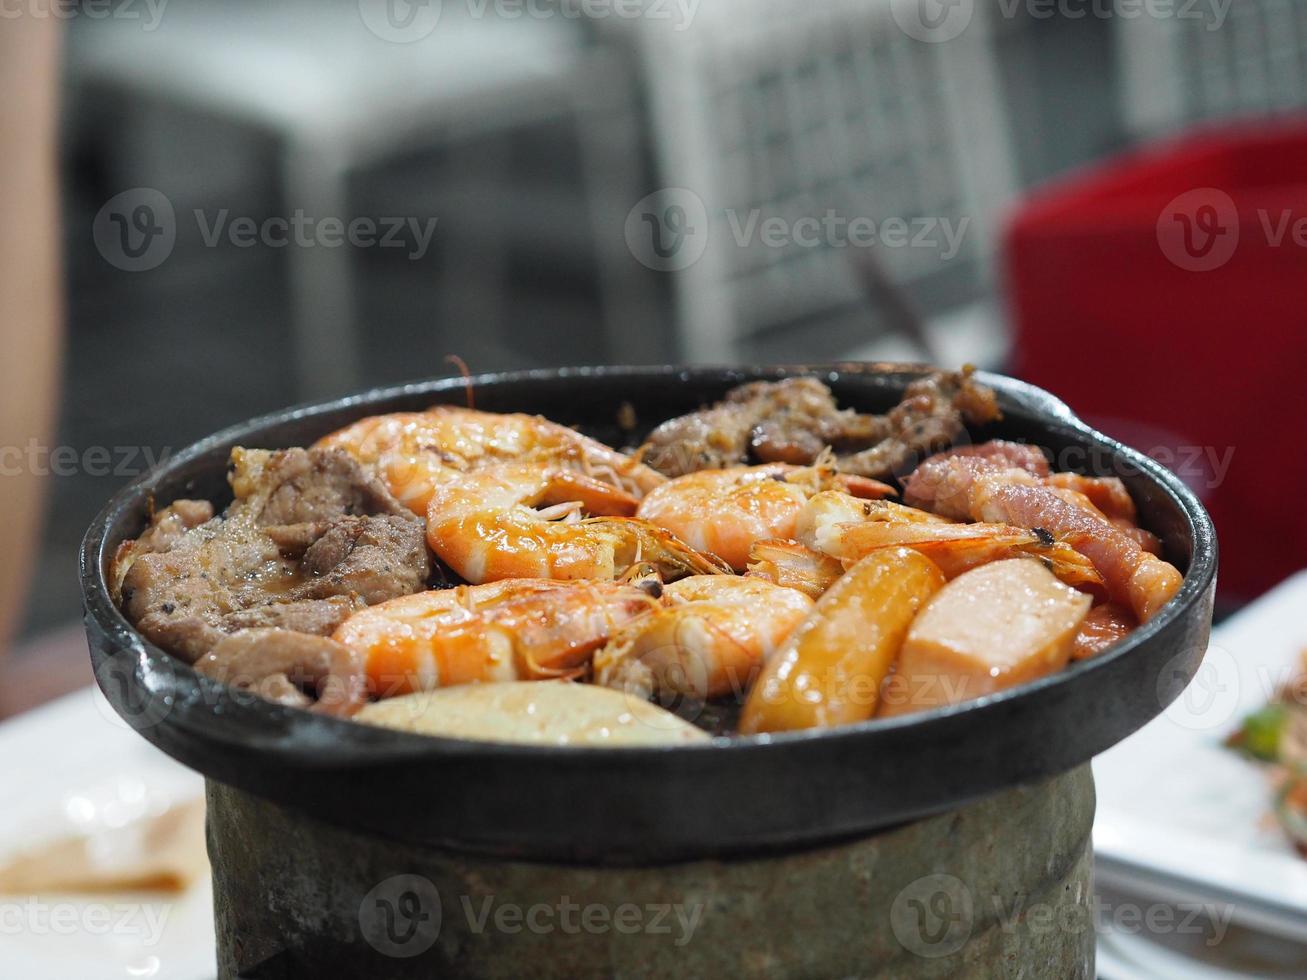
[[639, 542], [592, 494], [795, 566]]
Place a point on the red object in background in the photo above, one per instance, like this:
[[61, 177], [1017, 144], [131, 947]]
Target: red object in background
[[1164, 297]]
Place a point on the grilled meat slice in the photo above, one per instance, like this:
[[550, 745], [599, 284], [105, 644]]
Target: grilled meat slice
[[310, 537], [305, 486], [794, 420]]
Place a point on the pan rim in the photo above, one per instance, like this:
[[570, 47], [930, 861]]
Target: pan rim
[[355, 745]]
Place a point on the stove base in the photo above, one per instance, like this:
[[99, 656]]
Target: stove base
[[1000, 888]]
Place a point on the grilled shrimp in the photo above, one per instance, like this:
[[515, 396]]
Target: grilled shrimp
[[486, 526], [527, 629], [849, 529], [825, 519], [725, 511], [794, 566], [974, 488], [415, 452], [710, 639]]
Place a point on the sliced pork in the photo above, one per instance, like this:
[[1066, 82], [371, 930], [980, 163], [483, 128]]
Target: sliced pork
[[795, 420], [311, 537], [973, 487]]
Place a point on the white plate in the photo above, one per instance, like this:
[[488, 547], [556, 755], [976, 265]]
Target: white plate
[[1183, 819], [62, 762]]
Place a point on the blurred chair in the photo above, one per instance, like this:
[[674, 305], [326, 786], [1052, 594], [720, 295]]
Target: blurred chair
[[1179, 70], [789, 108], [342, 88]]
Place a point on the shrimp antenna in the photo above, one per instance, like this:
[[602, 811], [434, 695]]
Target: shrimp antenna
[[461, 364]]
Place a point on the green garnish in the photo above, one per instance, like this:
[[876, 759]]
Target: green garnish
[[1259, 736]]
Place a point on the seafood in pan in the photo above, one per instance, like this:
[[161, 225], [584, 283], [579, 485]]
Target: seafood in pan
[[770, 563]]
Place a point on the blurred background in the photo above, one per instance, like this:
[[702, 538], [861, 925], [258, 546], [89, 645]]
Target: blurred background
[[265, 203]]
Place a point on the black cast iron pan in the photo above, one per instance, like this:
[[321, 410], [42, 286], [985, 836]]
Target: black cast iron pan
[[650, 805]]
